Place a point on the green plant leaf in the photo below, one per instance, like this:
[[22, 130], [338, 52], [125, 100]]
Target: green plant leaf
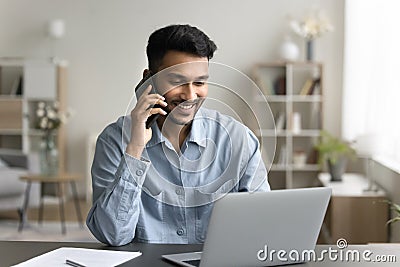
[[331, 148], [396, 207], [393, 220]]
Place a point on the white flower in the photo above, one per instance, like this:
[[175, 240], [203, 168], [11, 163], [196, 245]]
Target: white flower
[[48, 117], [312, 26], [43, 123], [40, 112], [51, 114], [41, 105]]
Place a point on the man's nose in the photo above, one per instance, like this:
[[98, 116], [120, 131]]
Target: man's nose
[[188, 91]]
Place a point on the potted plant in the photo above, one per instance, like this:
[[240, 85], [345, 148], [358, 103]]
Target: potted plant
[[396, 208], [335, 152]]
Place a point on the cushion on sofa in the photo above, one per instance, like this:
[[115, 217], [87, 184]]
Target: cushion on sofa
[[10, 184], [3, 164]]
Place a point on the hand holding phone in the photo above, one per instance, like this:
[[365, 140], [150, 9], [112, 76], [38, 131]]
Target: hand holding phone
[[139, 91], [148, 107]]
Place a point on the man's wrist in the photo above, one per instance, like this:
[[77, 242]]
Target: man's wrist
[[134, 151]]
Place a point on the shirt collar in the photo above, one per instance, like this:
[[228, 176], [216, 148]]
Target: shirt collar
[[196, 134]]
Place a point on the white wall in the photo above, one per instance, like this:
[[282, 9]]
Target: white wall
[[105, 45]]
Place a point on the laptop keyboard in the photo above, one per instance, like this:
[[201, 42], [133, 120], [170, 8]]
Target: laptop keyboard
[[193, 262]]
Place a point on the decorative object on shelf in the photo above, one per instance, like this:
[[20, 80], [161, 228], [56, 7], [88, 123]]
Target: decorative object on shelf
[[49, 119], [299, 159], [296, 123], [56, 28], [288, 50], [310, 28], [310, 49], [335, 152], [280, 85]]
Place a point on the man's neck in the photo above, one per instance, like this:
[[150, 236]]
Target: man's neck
[[175, 133]]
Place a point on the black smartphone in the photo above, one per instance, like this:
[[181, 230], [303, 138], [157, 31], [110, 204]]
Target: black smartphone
[[142, 85]]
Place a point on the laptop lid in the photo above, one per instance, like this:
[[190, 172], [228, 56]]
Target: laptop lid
[[248, 229]]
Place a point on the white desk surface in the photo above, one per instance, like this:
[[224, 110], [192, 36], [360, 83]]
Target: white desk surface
[[352, 185]]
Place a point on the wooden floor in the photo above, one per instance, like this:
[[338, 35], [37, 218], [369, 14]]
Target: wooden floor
[[51, 212]]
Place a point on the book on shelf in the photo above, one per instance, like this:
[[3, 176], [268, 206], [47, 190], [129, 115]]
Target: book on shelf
[[280, 85], [280, 122], [309, 87], [282, 156], [306, 87], [16, 88]]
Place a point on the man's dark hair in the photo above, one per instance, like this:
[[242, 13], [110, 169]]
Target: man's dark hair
[[182, 38]]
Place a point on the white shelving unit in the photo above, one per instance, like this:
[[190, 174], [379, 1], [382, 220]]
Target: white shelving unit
[[292, 89], [23, 84]]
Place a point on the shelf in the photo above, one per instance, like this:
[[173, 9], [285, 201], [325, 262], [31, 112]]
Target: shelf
[[12, 97], [284, 133], [307, 167], [292, 98], [298, 117], [291, 167], [12, 61], [306, 98], [10, 131], [37, 132], [43, 81]]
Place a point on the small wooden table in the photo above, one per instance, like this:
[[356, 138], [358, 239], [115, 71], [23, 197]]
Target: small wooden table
[[59, 180]]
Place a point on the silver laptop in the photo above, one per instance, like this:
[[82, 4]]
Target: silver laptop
[[246, 228]]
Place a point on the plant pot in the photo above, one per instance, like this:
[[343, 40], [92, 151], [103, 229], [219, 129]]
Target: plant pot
[[337, 169]]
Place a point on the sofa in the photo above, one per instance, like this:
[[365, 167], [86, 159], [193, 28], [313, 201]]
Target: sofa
[[13, 164]]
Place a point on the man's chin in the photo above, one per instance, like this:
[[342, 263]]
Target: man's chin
[[179, 120]]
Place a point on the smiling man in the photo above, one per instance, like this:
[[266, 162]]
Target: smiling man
[[160, 186]]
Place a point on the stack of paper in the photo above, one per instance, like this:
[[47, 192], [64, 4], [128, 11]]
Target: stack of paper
[[82, 256]]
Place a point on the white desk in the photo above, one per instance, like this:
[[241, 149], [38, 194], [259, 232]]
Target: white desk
[[354, 214], [352, 185]]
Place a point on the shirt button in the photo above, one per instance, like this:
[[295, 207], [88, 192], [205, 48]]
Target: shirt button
[[180, 231], [139, 172], [178, 191]]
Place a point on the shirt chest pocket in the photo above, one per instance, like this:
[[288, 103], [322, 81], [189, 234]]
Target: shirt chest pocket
[[203, 212], [150, 226]]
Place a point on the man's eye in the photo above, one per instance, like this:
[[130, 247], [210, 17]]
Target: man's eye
[[199, 83], [176, 82]]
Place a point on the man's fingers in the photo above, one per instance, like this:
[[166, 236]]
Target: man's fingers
[[150, 101], [157, 111]]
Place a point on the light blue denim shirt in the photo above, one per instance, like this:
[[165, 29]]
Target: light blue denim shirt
[[167, 197]]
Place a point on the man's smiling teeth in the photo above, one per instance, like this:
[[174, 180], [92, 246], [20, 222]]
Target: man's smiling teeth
[[185, 106]]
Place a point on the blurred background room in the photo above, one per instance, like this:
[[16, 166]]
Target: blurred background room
[[325, 67]]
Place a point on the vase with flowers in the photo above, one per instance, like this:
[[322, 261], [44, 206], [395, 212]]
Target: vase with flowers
[[310, 28], [48, 120]]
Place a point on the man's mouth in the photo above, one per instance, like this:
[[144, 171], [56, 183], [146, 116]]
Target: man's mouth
[[184, 108], [186, 105]]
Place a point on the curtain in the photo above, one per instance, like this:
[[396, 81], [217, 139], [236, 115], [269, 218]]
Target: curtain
[[371, 78]]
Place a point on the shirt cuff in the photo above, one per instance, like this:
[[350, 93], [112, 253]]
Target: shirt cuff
[[133, 169]]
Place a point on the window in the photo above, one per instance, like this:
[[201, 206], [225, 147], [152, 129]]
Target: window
[[371, 83]]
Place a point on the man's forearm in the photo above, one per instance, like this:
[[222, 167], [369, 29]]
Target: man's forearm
[[115, 211]]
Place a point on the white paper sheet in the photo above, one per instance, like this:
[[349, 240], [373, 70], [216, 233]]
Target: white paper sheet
[[84, 256]]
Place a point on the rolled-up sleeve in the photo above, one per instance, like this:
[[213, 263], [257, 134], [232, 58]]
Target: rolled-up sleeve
[[116, 179]]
